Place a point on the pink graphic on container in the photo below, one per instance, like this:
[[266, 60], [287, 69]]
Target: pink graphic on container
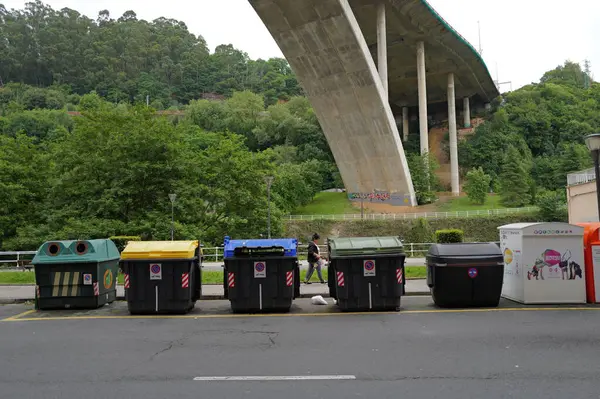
[[555, 263]]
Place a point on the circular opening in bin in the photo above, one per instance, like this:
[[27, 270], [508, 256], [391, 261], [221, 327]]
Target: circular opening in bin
[[81, 247], [53, 249]]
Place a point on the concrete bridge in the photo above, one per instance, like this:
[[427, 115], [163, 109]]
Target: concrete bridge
[[332, 46]]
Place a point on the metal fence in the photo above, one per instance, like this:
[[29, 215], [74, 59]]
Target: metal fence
[[585, 176], [425, 215], [22, 259], [19, 259]]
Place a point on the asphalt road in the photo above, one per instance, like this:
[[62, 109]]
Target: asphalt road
[[421, 353]]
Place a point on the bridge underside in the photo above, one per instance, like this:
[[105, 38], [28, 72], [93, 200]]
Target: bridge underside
[[331, 45]]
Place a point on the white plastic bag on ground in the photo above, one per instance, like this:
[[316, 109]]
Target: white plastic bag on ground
[[318, 300]]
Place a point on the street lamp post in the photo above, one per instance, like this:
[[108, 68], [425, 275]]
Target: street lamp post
[[269, 181], [593, 143], [172, 197]]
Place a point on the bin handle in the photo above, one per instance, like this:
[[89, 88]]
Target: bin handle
[[440, 264]]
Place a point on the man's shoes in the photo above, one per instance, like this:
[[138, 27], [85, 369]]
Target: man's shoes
[[307, 282]]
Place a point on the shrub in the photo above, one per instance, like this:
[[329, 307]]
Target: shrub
[[449, 236], [477, 185], [421, 231], [552, 206], [121, 241]]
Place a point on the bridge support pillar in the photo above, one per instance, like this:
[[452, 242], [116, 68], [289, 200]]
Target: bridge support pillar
[[422, 82], [453, 136], [405, 131], [382, 48], [467, 112]]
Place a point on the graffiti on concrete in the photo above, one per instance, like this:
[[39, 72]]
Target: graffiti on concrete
[[381, 197]]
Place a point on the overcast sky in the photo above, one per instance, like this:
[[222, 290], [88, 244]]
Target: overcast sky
[[521, 39]]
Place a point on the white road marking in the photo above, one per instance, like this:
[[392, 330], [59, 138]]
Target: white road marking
[[278, 378]]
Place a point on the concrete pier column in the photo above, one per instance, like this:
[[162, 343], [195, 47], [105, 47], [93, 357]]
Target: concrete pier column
[[467, 112], [422, 83], [382, 47], [453, 137], [405, 131]]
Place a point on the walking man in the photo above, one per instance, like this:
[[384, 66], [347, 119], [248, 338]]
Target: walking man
[[314, 260]]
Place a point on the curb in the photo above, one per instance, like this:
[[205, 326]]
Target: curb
[[12, 301]]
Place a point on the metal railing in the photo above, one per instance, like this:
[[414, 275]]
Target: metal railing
[[424, 215], [211, 254], [582, 177], [19, 259]]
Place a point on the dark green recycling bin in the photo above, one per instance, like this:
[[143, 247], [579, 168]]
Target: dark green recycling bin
[[366, 273], [261, 275], [162, 277], [76, 274], [465, 274]]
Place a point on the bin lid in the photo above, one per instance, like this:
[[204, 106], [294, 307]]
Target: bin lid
[[465, 250], [347, 246], [76, 251], [590, 233], [544, 229], [289, 246], [160, 250]]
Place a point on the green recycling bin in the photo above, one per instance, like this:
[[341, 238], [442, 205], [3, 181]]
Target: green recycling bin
[[366, 273], [76, 274]]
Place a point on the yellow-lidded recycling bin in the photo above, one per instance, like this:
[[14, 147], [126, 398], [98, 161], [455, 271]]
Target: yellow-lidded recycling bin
[[161, 277]]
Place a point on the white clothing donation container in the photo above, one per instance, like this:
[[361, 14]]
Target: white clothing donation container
[[543, 263]]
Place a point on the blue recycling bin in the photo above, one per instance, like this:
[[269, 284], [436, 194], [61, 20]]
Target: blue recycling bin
[[261, 275]]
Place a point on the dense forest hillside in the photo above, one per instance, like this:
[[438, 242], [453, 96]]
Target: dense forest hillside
[[110, 170], [127, 59]]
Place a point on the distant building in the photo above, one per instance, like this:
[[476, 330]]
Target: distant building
[[582, 199]]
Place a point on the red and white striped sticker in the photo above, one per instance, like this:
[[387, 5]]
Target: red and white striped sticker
[[399, 276], [289, 278], [37, 290], [185, 280], [126, 281], [96, 289], [230, 280], [340, 279]]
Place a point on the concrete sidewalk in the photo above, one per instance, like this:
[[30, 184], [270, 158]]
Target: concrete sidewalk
[[23, 293]]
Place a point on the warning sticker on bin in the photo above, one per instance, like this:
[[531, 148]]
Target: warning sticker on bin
[[260, 270], [155, 271], [368, 268], [87, 279], [473, 272]]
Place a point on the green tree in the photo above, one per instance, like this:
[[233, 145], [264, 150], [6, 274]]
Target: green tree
[[425, 181], [477, 185], [515, 188], [552, 206], [23, 177]]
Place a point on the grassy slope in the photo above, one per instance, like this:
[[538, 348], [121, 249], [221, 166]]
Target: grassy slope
[[465, 204], [208, 277], [326, 203], [337, 203]]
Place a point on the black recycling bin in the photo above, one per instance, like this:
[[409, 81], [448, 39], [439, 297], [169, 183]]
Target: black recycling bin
[[465, 274], [162, 277], [366, 273], [76, 274], [261, 275]]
